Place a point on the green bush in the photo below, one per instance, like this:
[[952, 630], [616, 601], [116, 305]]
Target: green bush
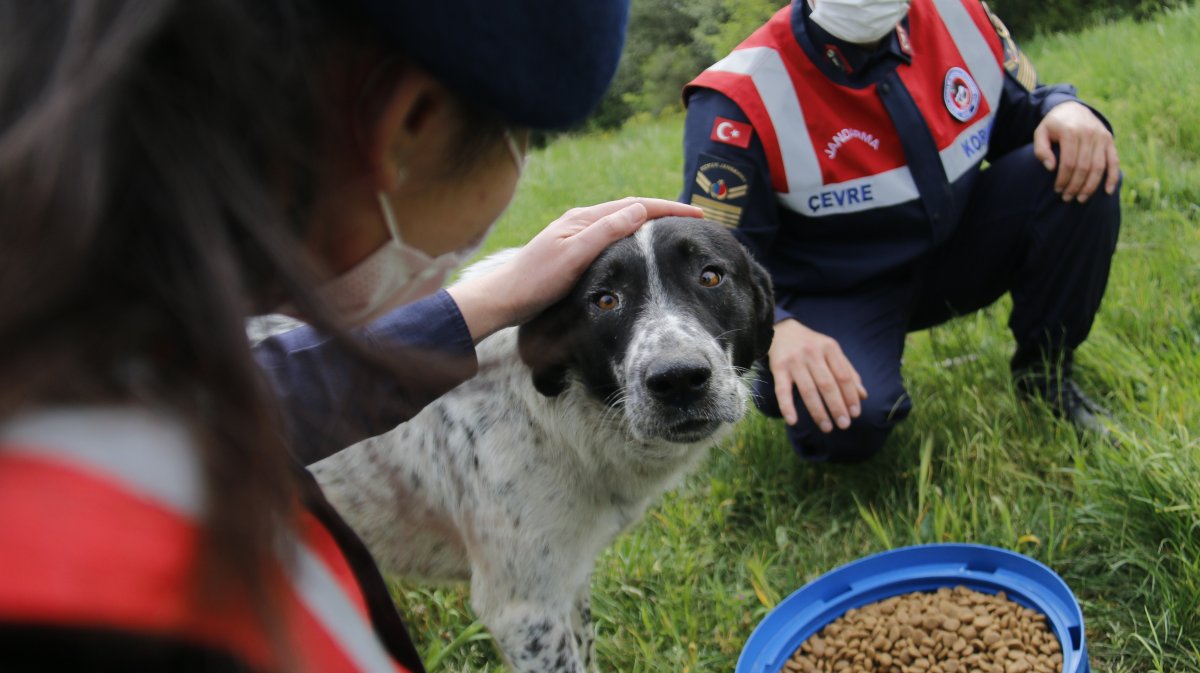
[[669, 42], [1026, 18]]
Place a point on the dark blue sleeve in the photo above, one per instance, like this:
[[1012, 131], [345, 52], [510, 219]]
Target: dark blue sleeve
[[1024, 101], [753, 214], [332, 397]]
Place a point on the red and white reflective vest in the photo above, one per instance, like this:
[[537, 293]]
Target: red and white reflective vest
[[100, 529], [803, 118]]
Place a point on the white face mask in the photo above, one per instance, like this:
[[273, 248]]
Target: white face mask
[[394, 275], [397, 273], [859, 21]]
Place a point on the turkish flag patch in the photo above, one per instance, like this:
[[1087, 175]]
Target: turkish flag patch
[[732, 133]]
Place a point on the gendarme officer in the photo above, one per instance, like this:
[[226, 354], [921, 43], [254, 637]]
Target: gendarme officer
[[846, 142]]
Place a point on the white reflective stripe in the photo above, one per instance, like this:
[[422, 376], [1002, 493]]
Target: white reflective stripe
[[320, 591], [770, 76], [153, 456], [968, 149], [973, 47], [885, 189]]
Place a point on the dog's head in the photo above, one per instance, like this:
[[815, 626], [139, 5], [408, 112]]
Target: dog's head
[[663, 327]]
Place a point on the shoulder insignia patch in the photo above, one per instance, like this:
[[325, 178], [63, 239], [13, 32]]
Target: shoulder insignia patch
[[721, 189], [1015, 61]]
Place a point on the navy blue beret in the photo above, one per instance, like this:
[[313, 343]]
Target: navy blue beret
[[540, 64]]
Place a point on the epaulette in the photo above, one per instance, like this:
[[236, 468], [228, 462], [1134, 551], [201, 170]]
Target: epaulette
[[1015, 61]]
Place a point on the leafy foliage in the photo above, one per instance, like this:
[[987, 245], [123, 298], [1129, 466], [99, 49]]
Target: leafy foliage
[[668, 43], [1027, 18]]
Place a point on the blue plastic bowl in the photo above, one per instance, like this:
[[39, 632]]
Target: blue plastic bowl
[[920, 568]]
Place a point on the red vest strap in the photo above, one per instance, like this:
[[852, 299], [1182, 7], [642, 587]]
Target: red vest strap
[[741, 89], [79, 550]]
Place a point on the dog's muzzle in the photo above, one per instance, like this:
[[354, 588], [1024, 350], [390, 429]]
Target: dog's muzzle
[[680, 385]]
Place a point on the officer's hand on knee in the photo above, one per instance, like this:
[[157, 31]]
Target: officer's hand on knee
[[1086, 151], [813, 364]]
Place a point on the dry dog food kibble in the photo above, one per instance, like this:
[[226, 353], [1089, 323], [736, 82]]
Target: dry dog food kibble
[[949, 631]]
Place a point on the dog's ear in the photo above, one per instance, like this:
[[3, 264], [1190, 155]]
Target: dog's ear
[[764, 308], [545, 344]]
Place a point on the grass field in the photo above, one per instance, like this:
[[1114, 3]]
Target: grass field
[[684, 589]]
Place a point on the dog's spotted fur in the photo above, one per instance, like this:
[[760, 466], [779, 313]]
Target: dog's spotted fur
[[519, 478]]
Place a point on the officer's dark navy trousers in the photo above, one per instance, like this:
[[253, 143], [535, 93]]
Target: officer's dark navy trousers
[[1016, 235]]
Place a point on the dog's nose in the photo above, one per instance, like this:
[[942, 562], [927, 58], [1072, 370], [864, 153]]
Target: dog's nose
[[679, 383]]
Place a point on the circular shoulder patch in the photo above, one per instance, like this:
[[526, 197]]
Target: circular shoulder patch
[[961, 94]]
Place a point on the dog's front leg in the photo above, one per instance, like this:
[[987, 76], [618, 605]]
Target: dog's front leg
[[585, 630], [533, 637]]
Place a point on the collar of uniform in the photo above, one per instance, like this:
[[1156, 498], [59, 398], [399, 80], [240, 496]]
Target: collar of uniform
[[849, 64]]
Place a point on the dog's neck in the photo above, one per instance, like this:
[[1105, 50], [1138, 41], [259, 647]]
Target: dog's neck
[[618, 469]]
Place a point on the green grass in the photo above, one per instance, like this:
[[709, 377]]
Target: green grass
[[684, 589]]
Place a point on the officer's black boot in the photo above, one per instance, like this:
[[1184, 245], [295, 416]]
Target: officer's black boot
[[1050, 380]]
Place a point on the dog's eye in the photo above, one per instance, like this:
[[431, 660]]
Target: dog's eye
[[607, 301], [710, 278]]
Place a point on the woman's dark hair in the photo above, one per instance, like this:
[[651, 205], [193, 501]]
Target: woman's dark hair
[[141, 142], [155, 157]]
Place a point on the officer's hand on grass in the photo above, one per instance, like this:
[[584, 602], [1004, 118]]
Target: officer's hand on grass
[[1087, 153], [547, 267], [814, 364]]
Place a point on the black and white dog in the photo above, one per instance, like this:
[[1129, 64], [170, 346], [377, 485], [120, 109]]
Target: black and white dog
[[576, 422]]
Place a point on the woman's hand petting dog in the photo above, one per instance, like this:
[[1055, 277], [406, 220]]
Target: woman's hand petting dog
[[546, 268]]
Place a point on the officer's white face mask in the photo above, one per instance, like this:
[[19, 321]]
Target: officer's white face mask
[[398, 273], [859, 21]]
